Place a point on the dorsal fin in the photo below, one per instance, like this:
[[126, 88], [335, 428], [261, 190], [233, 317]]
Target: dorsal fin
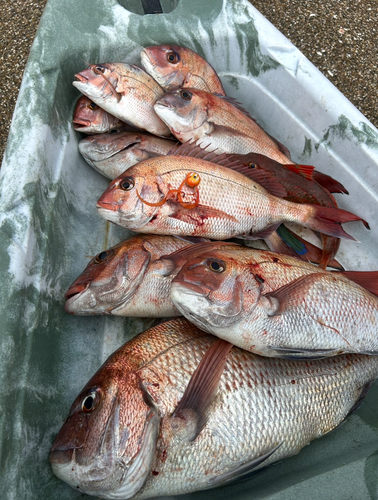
[[329, 183], [305, 170], [196, 151], [366, 279], [264, 178]]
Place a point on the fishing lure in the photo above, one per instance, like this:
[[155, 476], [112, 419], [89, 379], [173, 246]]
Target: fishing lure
[[192, 180]]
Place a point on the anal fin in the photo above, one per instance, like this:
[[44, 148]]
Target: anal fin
[[238, 472], [302, 354]]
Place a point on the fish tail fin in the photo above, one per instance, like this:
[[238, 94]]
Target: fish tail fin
[[328, 220]]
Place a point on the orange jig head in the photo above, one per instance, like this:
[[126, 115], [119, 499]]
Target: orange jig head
[[192, 180]]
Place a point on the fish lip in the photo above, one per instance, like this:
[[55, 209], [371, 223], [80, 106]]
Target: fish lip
[[107, 206], [160, 104], [61, 456], [191, 288], [81, 123], [146, 57], [75, 291], [81, 78]]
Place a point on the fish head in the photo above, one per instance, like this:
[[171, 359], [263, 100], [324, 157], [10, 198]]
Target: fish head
[[103, 146], [167, 64], [106, 446], [99, 82], [183, 109], [208, 290], [86, 115], [122, 203], [110, 279]]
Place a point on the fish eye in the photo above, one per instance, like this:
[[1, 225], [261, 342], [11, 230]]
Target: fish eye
[[100, 69], [216, 266], [172, 57], [114, 131], [90, 401], [252, 165], [127, 184], [186, 95], [101, 257], [92, 105]]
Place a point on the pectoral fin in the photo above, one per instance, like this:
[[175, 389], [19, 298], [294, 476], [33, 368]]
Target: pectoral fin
[[290, 297], [202, 387], [241, 470], [301, 354], [199, 214]]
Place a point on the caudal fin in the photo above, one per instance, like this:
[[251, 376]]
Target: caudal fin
[[328, 220]]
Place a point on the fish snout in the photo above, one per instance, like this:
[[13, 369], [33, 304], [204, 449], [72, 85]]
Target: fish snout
[[80, 123], [61, 456], [76, 290], [179, 284], [81, 78]]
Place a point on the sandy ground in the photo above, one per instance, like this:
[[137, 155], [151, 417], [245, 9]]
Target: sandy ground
[[339, 36]]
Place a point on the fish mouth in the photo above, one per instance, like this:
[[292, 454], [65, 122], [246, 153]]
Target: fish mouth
[[81, 78], [76, 290], [105, 205], [164, 104], [146, 59], [61, 456], [190, 288], [81, 123]]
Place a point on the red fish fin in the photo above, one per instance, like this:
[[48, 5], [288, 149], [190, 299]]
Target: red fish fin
[[328, 220], [241, 472], [328, 182], [203, 385], [204, 153], [262, 235], [264, 178], [200, 213], [313, 254], [278, 245], [304, 170], [366, 279], [330, 248], [290, 296]]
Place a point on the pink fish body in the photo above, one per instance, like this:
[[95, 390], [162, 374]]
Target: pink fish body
[[276, 305]]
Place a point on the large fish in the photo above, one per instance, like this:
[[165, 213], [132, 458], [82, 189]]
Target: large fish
[[173, 67], [125, 91], [112, 154], [217, 121], [89, 118], [132, 278], [155, 420], [279, 306], [188, 196]]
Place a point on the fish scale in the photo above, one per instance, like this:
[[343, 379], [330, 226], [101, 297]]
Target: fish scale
[[246, 210], [209, 119], [280, 306], [263, 406], [136, 93]]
